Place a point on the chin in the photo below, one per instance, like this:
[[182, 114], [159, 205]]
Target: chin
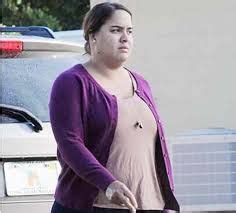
[[120, 59], [123, 57]]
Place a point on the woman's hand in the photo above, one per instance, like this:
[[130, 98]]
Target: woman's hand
[[117, 192]]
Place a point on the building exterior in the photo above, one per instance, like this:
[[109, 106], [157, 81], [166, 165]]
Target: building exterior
[[204, 166]]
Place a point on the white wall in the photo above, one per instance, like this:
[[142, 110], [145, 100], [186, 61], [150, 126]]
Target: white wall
[[187, 51]]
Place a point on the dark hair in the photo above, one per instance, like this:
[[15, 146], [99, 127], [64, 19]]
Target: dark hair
[[96, 17]]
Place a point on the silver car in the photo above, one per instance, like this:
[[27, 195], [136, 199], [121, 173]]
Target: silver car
[[28, 167]]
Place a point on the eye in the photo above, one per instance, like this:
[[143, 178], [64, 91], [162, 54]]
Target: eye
[[130, 31], [115, 30]]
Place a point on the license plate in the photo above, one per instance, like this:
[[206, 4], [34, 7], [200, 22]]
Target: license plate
[[31, 177]]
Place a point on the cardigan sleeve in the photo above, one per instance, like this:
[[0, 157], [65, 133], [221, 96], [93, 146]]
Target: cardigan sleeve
[[66, 108]]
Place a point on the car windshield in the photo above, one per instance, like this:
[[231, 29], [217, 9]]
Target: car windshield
[[27, 83]]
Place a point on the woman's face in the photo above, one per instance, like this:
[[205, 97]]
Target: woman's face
[[114, 41]]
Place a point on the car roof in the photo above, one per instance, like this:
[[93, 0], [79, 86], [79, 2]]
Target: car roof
[[33, 43], [33, 46]]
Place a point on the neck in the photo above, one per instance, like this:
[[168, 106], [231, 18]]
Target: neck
[[108, 70]]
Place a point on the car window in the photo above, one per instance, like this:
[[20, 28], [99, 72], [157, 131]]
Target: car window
[[27, 82]]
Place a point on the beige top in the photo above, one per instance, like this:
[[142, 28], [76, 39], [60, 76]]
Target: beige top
[[131, 157]]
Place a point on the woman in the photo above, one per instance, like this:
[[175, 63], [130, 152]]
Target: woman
[[110, 140]]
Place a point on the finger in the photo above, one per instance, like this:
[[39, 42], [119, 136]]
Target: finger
[[130, 206], [130, 195], [126, 201], [117, 200]]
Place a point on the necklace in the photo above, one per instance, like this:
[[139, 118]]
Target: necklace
[[138, 123]]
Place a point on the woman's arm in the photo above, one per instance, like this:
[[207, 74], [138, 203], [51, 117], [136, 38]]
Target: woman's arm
[[66, 110]]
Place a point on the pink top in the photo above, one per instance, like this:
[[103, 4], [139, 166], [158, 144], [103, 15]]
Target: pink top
[[131, 158]]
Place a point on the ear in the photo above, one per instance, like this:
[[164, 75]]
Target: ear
[[93, 38]]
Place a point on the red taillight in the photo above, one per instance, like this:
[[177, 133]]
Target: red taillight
[[10, 49]]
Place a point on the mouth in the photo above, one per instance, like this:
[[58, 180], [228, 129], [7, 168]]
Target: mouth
[[125, 49]]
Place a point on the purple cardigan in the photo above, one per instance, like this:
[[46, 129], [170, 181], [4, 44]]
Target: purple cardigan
[[83, 118]]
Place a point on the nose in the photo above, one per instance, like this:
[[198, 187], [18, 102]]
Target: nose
[[124, 37]]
